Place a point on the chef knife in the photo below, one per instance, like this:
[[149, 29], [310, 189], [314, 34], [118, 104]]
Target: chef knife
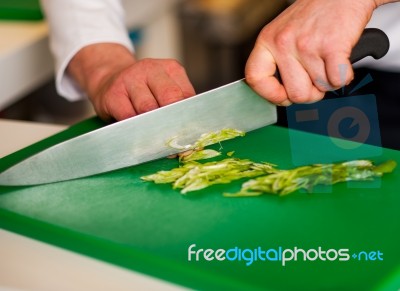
[[143, 138]]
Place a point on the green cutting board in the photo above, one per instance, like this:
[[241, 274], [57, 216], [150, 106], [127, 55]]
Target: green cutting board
[[120, 219], [20, 10]]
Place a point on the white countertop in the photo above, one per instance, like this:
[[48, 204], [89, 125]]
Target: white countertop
[[16, 135], [25, 59], [28, 264]]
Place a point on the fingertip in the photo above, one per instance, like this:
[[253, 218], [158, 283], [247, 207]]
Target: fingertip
[[339, 71], [187, 94], [116, 115], [316, 95], [119, 108], [306, 95], [146, 106], [350, 76], [269, 88], [285, 103], [122, 114], [187, 89]]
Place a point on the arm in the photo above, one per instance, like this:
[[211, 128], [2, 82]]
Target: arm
[[120, 86], [94, 57], [309, 42]]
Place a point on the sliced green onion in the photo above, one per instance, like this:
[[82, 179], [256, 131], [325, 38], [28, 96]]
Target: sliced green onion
[[200, 155], [194, 176], [306, 177]]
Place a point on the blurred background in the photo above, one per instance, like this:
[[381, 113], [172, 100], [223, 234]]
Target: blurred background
[[211, 38]]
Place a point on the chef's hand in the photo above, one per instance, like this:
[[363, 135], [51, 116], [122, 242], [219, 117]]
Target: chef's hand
[[119, 86], [310, 42]]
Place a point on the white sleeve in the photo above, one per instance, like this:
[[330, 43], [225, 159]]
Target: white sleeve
[[387, 18], [78, 23]]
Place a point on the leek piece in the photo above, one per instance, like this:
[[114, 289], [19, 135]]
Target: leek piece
[[194, 176], [196, 151], [306, 177]]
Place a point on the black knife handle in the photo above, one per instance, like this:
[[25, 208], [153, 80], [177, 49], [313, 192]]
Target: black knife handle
[[373, 42]]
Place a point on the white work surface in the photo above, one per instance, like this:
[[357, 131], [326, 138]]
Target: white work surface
[[25, 59], [27, 264]]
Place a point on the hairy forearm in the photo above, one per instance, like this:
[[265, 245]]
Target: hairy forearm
[[94, 63]]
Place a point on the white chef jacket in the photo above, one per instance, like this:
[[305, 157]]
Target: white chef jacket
[[78, 23]]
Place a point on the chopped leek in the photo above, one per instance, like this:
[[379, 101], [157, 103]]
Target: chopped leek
[[171, 176], [217, 136], [195, 151], [199, 155], [306, 177], [194, 176]]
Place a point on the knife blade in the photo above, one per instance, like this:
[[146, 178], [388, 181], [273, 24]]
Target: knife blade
[[143, 138]]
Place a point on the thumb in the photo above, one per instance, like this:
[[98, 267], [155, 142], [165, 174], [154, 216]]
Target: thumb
[[260, 75]]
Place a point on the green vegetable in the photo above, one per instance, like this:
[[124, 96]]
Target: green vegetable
[[191, 175], [194, 176], [163, 177], [195, 152], [199, 155], [306, 177], [217, 136]]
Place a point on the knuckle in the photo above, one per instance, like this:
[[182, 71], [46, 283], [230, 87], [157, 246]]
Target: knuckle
[[284, 38], [146, 61], [146, 64], [305, 45], [171, 94], [255, 77], [174, 63], [174, 67], [252, 78]]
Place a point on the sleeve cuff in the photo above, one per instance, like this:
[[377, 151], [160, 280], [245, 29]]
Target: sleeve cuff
[[66, 86]]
